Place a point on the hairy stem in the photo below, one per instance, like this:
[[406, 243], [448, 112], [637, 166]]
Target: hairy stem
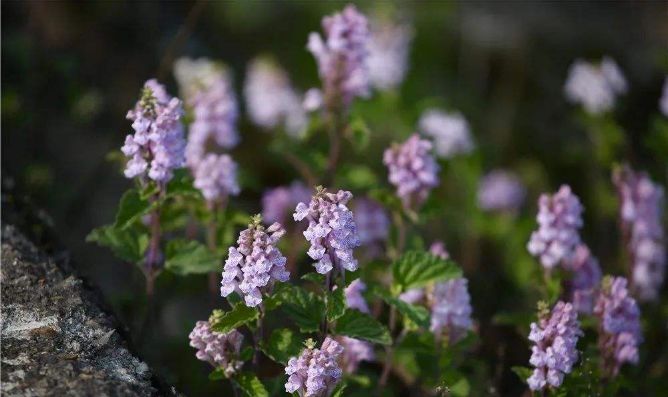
[[257, 337], [389, 350]]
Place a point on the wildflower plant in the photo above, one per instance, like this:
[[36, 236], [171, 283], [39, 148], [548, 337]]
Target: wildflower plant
[[344, 283]]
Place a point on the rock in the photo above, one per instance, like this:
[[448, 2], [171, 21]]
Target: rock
[[56, 338]]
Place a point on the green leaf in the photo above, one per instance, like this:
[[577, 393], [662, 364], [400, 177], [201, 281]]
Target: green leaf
[[416, 268], [314, 277], [388, 199], [130, 209], [523, 372], [129, 244], [359, 133], [358, 177], [250, 385], [190, 257], [417, 314], [304, 308], [240, 314], [217, 374], [356, 324], [418, 343], [336, 304], [338, 390], [282, 345]]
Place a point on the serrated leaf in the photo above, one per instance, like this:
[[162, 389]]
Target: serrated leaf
[[336, 304], [282, 344], [240, 314], [190, 257], [359, 325], [417, 268], [130, 209], [417, 314], [523, 372], [304, 308], [129, 244], [250, 385]]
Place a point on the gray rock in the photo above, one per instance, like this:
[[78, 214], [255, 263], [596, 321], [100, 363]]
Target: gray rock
[[56, 338]]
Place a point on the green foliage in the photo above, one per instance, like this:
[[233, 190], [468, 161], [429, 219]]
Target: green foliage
[[128, 244], [131, 208], [185, 257], [336, 305], [416, 269], [305, 308], [359, 325], [282, 345], [250, 385], [417, 314], [359, 134], [522, 372], [239, 315]]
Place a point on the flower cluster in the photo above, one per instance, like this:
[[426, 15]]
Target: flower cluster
[[640, 212], [619, 325], [279, 201], [270, 99], [342, 56], [219, 350], [500, 190], [586, 278], [663, 102], [559, 218], [254, 262], [216, 177], [315, 372], [209, 93], [331, 230], [450, 132], [372, 222], [388, 53], [555, 336], [451, 309], [157, 145], [412, 169], [595, 86]]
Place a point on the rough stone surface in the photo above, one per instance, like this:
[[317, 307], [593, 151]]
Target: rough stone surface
[[56, 339]]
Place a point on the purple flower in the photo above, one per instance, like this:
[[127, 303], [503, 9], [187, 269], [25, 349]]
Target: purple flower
[[388, 53], [372, 222], [341, 56], [619, 325], [209, 93], [586, 278], [255, 262], [216, 177], [559, 218], [331, 230], [500, 190], [449, 131], [157, 146], [354, 352], [595, 87], [555, 337], [663, 102], [277, 202], [438, 249], [219, 350], [315, 372], [354, 298], [641, 211], [270, 99], [412, 169], [451, 309]]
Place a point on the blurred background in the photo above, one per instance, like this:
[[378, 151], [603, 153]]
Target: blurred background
[[71, 71]]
